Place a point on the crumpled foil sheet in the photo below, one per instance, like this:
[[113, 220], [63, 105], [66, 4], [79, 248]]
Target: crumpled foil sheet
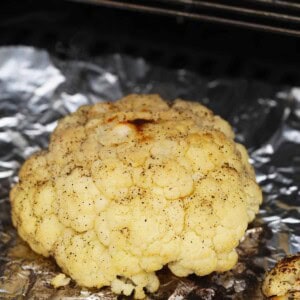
[[36, 90]]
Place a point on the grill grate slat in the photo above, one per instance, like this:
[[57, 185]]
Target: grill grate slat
[[267, 15], [278, 3]]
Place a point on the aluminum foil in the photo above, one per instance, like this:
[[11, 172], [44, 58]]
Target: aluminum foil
[[37, 89]]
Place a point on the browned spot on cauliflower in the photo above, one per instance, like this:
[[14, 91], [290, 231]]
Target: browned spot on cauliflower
[[283, 281], [128, 187]]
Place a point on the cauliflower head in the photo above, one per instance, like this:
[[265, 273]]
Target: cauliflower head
[[130, 186]]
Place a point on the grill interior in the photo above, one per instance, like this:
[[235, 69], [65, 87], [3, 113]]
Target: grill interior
[[282, 16], [73, 30]]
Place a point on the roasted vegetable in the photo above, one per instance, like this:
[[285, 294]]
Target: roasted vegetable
[[128, 187], [283, 281]]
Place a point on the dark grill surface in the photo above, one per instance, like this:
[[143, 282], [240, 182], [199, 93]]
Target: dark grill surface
[[81, 31]]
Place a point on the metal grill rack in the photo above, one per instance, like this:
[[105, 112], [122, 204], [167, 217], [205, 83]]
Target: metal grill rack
[[280, 16]]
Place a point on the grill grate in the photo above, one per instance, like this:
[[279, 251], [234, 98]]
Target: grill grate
[[267, 15]]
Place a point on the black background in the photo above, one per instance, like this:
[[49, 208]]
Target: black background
[[74, 30]]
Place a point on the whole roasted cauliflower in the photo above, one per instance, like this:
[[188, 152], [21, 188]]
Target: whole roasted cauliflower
[[130, 186]]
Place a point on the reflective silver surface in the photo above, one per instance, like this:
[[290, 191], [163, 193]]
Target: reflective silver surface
[[36, 90]]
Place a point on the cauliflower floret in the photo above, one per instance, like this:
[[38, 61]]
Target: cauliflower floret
[[128, 187], [283, 281], [60, 280]]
